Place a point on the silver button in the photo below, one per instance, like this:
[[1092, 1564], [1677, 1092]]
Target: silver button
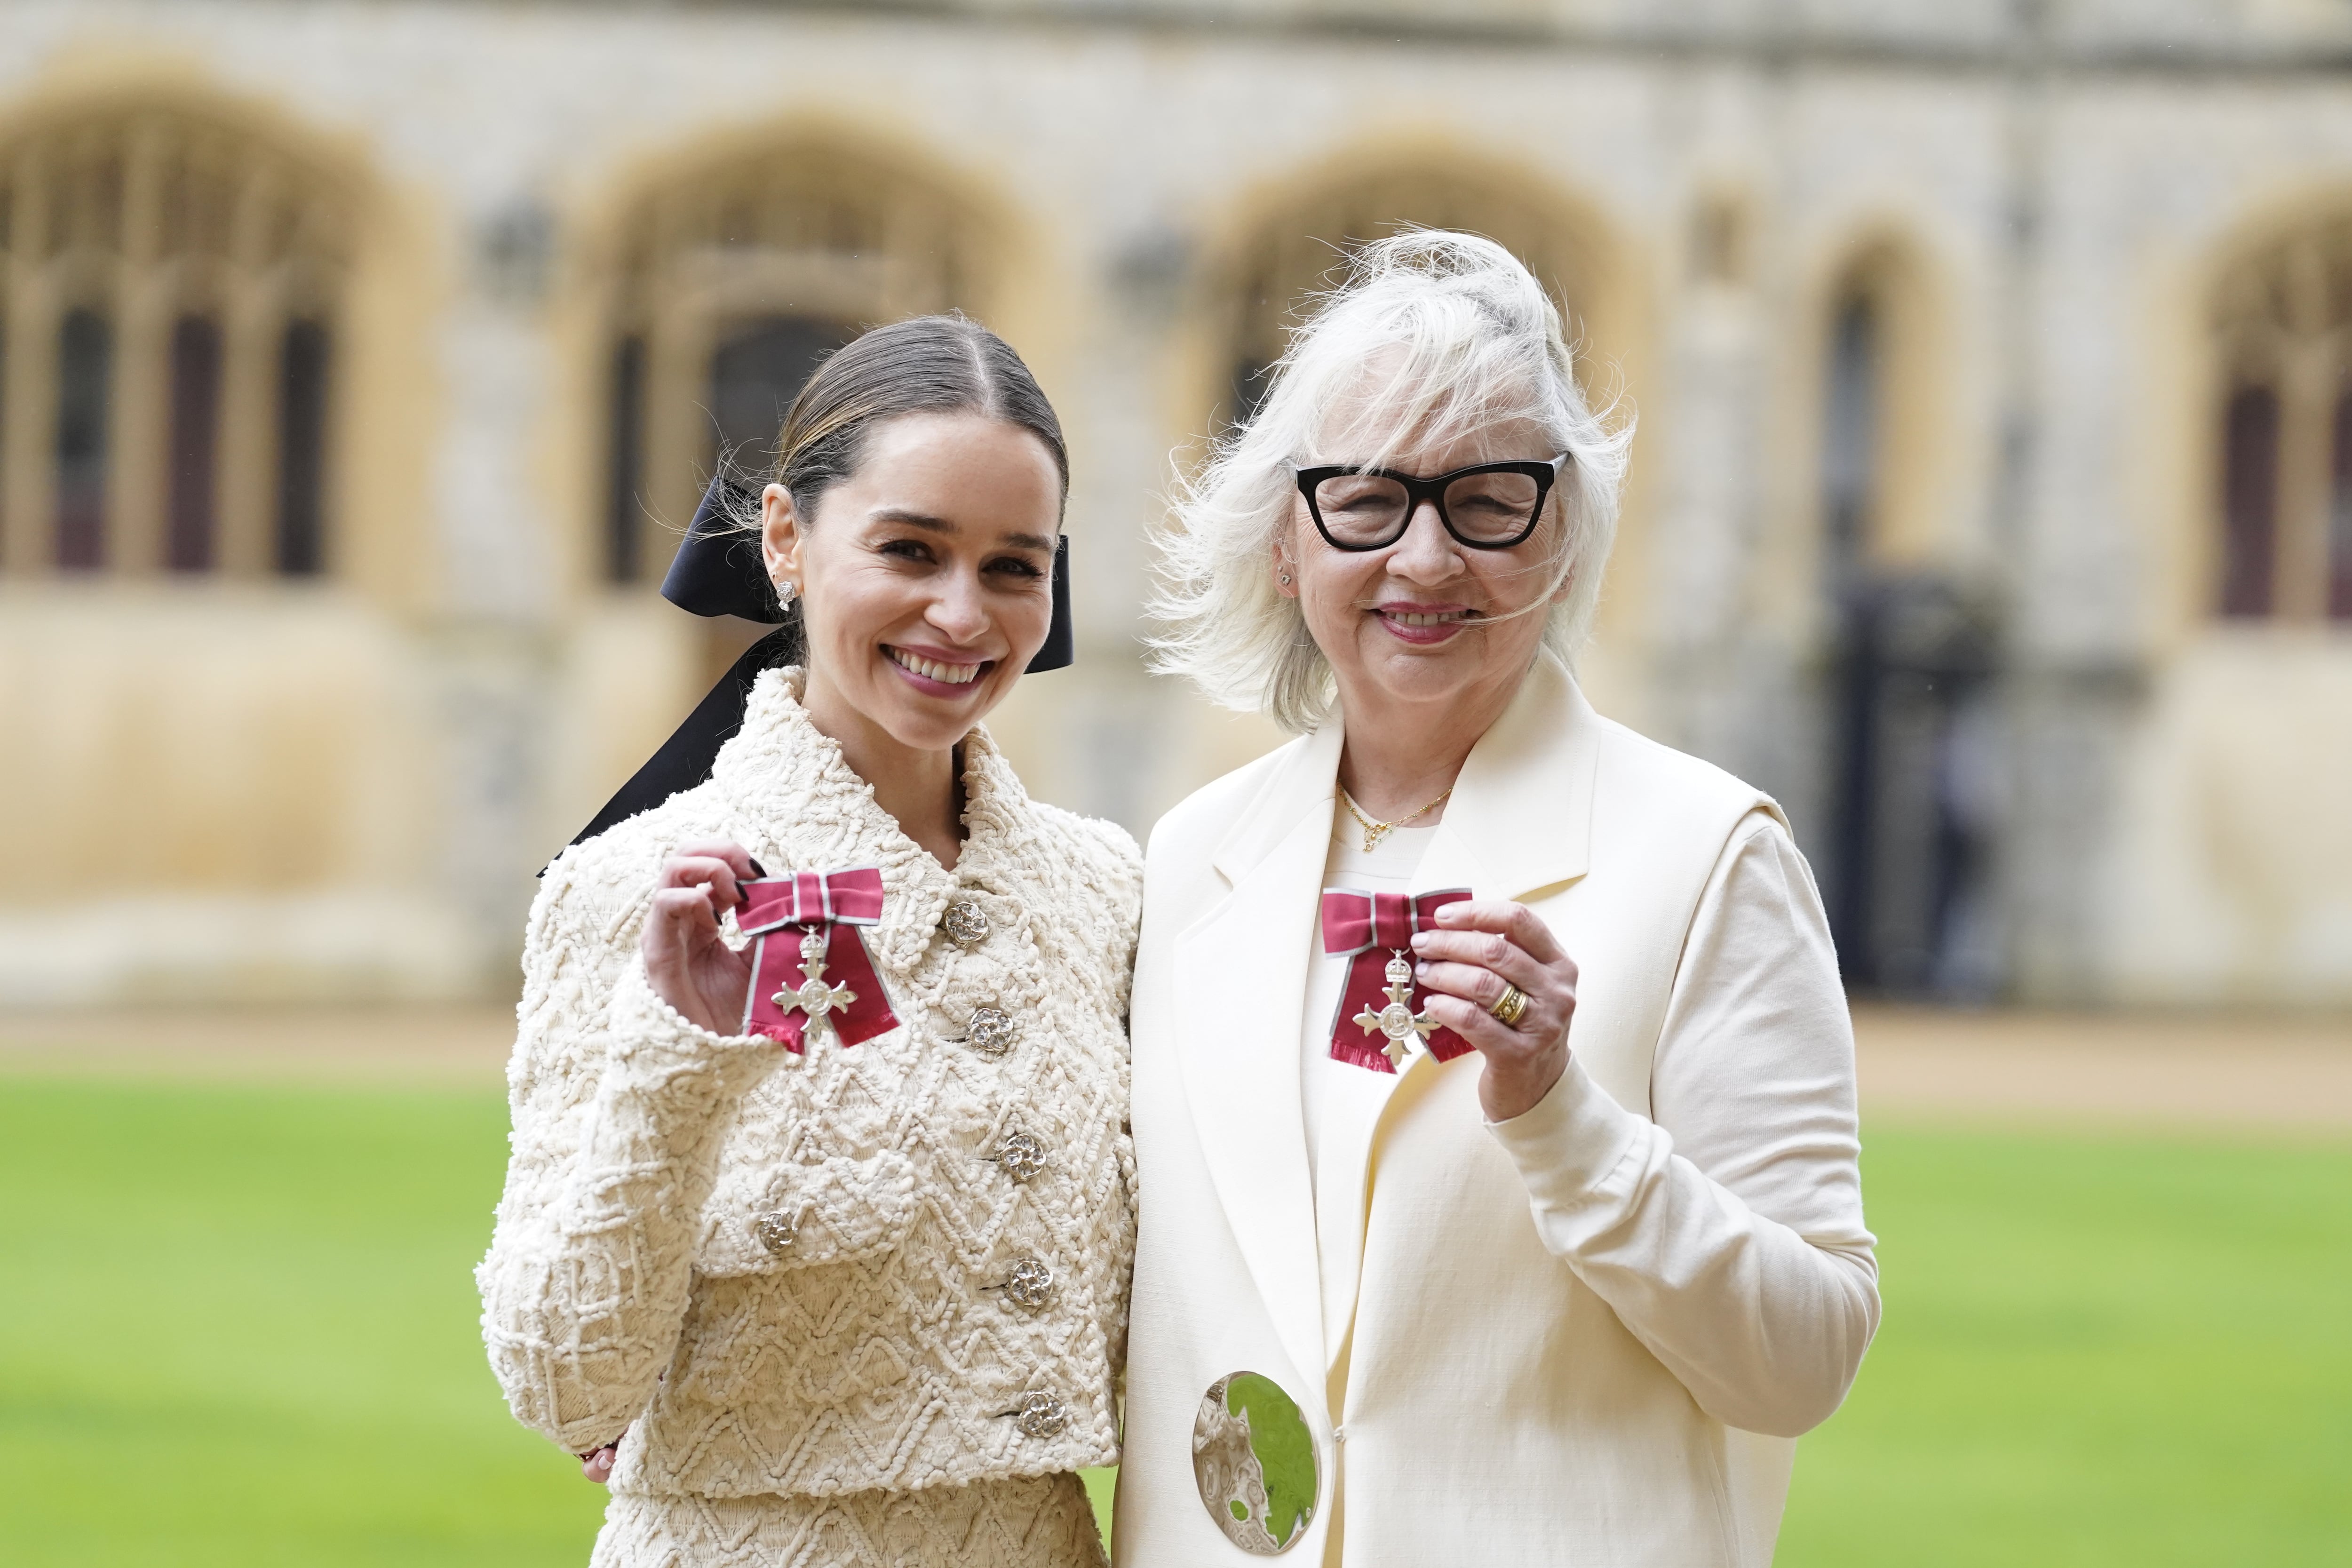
[[993, 1031], [1039, 1415], [776, 1230], [966, 922], [1030, 1285], [1022, 1155]]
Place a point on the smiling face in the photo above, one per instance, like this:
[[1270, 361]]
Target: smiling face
[[925, 578], [1428, 622]]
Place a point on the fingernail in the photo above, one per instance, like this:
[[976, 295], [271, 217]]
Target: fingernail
[[757, 870]]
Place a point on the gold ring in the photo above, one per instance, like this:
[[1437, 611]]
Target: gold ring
[[1510, 1006]]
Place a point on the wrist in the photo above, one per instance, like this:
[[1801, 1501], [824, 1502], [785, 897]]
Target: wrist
[[670, 974], [1505, 1093], [647, 1025]]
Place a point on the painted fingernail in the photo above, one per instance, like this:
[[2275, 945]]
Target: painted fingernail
[[757, 870]]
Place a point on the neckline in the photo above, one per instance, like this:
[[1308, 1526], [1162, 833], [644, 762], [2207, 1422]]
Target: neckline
[[799, 795], [782, 710], [1398, 858]]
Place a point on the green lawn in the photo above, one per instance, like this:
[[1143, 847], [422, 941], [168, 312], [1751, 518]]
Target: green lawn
[[237, 1326], [2096, 1352]]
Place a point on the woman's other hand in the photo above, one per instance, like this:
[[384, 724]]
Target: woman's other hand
[[1480, 948], [598, 1467], [690, 965]]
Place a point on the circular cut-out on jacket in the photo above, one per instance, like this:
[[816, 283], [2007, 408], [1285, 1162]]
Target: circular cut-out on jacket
[[1255, 1460]]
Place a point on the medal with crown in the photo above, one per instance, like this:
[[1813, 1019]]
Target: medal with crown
[[1407, 1032], [816, 996]]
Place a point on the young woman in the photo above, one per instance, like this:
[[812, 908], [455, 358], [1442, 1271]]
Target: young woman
[[1521, 1158], [817, 1231]]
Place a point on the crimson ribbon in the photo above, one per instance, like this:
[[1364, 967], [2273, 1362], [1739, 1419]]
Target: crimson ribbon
[[777, 913], [1375, 926]]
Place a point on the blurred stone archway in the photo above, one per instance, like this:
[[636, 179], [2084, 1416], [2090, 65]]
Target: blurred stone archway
[[1297, 237]]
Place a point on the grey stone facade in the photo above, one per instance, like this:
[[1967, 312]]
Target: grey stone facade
[[2041, 196]]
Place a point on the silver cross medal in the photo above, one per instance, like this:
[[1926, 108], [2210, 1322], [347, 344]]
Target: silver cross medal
[[1406, 1029], [815, 996]]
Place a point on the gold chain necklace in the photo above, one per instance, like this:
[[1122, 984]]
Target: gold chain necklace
[[1376, 831]]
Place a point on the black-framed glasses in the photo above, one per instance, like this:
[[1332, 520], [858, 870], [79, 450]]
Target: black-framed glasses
[[1488, 506]]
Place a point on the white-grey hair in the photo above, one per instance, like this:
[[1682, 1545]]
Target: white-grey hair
[[1467, 339]]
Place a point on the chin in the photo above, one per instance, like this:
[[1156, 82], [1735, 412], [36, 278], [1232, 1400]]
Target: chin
[[1470, 661], [929, 723], [924, 728], [1424, 687], [1427, 672]]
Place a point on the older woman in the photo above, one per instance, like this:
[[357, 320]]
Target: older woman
[[1493, 1088]]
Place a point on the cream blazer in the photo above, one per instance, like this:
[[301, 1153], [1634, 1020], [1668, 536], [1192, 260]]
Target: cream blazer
[[1571, 1343], [783, 1276]]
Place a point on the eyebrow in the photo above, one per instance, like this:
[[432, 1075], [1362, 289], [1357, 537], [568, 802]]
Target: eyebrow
[[930, 524]]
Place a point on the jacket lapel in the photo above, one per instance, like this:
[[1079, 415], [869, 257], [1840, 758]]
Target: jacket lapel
[[1518, 824], [1520, 819], [1243, 970]]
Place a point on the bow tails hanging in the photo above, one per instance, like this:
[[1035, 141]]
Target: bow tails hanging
[[810, 973], [1383, 1019]]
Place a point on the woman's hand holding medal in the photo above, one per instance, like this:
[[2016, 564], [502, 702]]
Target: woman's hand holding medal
[[689, 963], [1490, 960]]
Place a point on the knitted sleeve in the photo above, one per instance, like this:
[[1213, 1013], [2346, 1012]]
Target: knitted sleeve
[[620, 1107]]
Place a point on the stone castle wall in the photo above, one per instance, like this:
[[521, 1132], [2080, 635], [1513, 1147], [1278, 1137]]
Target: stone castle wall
[[340, 788]]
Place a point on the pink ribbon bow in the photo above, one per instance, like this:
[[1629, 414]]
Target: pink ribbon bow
[[809, 969], [1380, 1018]]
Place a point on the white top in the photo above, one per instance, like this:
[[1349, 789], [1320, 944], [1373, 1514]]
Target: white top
[[1340, 1102]]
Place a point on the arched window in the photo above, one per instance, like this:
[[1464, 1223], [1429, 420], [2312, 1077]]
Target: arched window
[[2284, 512], [1904, 852], [734, 281], [1851, 419], [168, 295], [1883, 432], [1303, 249]]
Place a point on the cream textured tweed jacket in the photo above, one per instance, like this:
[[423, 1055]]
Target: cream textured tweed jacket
[[784, 1277]]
